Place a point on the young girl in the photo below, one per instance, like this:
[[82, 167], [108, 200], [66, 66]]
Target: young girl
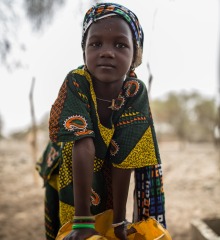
[[101, 129]]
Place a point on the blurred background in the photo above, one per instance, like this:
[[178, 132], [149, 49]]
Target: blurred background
[[40, 42]]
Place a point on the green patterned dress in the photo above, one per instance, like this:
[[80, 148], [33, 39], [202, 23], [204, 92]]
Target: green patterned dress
[[129, 142]]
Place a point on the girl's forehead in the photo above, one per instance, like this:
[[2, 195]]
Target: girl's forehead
[[113, 24]]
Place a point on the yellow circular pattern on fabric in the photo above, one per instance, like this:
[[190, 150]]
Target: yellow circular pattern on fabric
[[65, 172], [98, 163], [66, 212], [143, 154], [106, 134]]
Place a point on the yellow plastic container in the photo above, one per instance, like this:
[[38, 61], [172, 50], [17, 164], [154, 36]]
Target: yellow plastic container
[[149, 229]]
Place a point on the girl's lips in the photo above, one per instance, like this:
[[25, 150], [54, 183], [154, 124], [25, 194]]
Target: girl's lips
[[106, 66]]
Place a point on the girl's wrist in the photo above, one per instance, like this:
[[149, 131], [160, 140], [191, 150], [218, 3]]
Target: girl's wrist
[[82, 209], [119, 217], [114, 225], [80, 222]]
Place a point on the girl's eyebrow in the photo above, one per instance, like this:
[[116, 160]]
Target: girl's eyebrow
[[93, 36]]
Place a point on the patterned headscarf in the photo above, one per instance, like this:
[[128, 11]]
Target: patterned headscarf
[[103, 10]]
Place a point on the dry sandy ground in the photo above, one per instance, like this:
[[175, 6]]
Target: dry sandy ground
[[191, 182]]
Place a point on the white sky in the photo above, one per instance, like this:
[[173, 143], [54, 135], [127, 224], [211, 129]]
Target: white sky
[[181, 44]]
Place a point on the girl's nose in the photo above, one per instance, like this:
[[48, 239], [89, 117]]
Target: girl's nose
[[107, 52]]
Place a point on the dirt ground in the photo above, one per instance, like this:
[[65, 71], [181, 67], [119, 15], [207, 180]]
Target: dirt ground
[[191, 183]]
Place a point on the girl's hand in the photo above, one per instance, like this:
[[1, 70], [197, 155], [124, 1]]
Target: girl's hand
[[81, 234], [121, 232]]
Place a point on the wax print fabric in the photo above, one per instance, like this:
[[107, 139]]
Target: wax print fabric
[[129, 142]]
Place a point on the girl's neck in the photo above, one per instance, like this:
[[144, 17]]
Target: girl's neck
[[107, 91]]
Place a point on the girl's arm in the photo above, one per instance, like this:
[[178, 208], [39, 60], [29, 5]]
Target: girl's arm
[[120, 185], [83, 161], [120, 182]]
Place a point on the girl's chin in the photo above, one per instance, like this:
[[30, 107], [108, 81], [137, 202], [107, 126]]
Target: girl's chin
[[107, 78]]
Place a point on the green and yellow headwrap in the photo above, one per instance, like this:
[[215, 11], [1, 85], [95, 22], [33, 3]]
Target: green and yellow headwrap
[[103, 10]]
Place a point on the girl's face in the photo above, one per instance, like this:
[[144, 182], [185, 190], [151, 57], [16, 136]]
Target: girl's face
[[109, 49]]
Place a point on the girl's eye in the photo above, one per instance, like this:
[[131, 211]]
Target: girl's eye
[[96, 44], [120, 45]]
